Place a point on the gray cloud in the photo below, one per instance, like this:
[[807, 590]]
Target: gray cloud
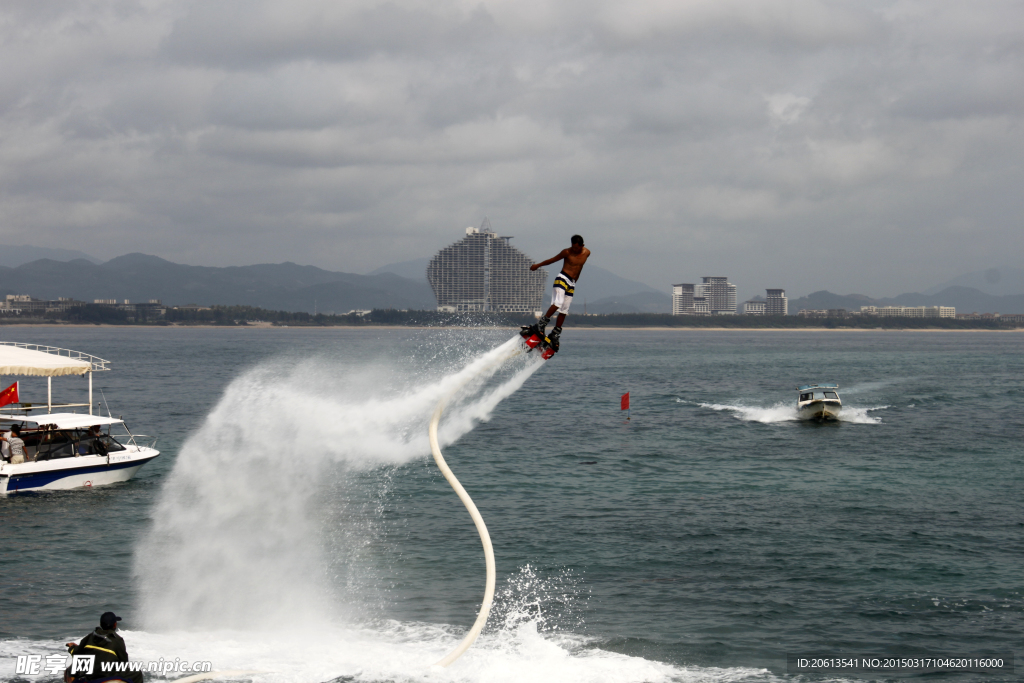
[[855, 146]]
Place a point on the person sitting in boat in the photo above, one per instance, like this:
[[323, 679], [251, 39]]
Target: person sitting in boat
[[15, 444], [98, 447], [108, 647]]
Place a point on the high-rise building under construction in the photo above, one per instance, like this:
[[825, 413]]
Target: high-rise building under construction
[[483, 272]]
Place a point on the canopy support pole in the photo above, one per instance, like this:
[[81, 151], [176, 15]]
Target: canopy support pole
[[49, 394], [90, 392]]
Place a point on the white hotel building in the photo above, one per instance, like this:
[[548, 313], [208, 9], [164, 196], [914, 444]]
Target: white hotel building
[[715, 296]]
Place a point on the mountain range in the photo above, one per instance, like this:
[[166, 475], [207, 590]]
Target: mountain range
[[1001, 281], [16, 254], [275, 286], [291, 287], [965, 299]]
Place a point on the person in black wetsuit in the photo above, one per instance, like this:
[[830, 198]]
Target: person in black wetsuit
[[107, 646]]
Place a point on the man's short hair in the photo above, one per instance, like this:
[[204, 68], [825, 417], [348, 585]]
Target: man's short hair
[[576, 239], [16, 429]]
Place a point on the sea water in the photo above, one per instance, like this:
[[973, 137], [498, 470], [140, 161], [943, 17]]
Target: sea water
[[295, 523]]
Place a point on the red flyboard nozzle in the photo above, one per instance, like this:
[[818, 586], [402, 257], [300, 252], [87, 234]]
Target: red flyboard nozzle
[[533, 341], [548, 352]]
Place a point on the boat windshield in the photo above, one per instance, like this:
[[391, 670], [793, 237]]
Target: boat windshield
[[832, 395], [819, 395], [66, 443]]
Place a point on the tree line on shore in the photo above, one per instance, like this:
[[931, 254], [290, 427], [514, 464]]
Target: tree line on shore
[[249, 315]]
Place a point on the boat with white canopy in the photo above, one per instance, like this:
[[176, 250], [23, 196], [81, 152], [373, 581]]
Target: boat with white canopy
[[64, 450], [819, 402]]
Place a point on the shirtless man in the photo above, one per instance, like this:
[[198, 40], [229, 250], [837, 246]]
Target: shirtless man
[[565, 284]]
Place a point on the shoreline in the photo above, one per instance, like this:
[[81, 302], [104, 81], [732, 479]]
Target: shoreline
[[623, 328]]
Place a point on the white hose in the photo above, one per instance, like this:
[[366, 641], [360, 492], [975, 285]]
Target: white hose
[[485, 538]]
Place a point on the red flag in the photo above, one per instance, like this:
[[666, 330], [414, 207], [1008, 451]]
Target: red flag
[[9, 395], [625, 401]]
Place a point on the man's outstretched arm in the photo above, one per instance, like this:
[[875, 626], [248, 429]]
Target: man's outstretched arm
[[558, 257]]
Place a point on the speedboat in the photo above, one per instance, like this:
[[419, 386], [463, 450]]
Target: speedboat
[[818, 402], [64, 450]]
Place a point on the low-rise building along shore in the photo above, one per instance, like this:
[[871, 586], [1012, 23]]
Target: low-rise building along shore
[[883, 312], [27, 306], [909, 311], [23, 304], [775, 304], [825, 313], [754, 307], [1000, 317]]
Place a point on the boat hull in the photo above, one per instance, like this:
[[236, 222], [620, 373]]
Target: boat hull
[[74, 473], [821, 411]]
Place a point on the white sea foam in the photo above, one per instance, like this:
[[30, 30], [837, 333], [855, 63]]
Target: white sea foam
[[529, 638], [394, 651]]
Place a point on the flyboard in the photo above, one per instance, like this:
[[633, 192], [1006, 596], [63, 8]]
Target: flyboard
[[533, 339]]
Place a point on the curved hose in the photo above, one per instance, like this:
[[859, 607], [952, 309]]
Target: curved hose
[[485, 538]]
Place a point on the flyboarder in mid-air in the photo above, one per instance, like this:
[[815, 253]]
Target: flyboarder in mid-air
[[573, 259]]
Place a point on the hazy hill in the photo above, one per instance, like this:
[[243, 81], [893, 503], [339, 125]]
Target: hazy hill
[[279, 286], [16, 255], [965, 299], [415, 269], [640, 302], [824, 299], [1002, 281]]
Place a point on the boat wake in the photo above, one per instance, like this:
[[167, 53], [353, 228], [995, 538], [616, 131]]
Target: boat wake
[[786, 412]]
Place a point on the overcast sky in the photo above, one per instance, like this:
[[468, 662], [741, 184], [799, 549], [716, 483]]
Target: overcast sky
[[870, 147]]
